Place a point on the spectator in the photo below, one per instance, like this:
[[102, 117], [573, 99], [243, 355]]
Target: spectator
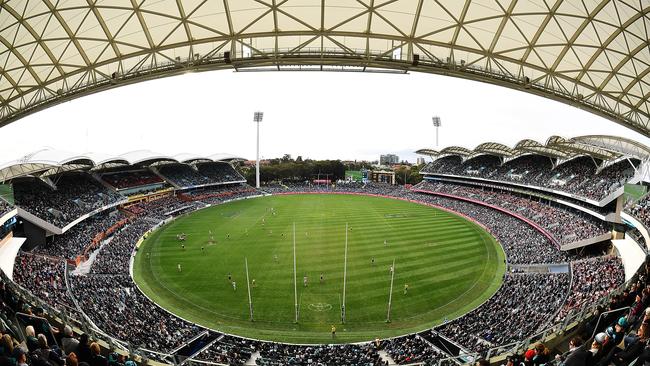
[[69, 344], [96, 358], [578, 356]]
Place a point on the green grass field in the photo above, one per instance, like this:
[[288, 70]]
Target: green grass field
[[450, 264]]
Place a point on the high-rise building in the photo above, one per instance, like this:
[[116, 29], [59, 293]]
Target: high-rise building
[[388, 159], [420, 161]]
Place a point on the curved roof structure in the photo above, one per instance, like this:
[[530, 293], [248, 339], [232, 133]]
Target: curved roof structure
[[591, 54], [51, 161], [607, 149], [224, 157], [145, 156], [190, 158], [493, 148], [428, 152], [456, 150]]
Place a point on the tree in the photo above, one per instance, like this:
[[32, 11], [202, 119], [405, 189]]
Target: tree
[[408, 175], [286, 158]]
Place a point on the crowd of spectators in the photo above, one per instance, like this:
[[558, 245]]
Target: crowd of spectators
[[641, 210], [228, 350], [109, 294], [565, 225], [132, 178], [5, 207], [186, 176], [76, 194], [516, 311], [523, 305], [117, 307], [73, 242], [593, 279], [578, 176], [326, 354], [183, 175], [162, 207], [343, 187], [445, 165], [218, 194], [411, 349], [114, 255], [615, 334], [43, 277], [522, 243], [219, 172]]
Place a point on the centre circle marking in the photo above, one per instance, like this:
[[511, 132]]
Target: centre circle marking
[[320, 307]]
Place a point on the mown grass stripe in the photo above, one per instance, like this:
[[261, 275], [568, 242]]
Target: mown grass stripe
[[440, 255]]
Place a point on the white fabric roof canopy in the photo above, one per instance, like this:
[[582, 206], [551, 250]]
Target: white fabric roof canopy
[[602, 147], [54, 161], [593, 54]]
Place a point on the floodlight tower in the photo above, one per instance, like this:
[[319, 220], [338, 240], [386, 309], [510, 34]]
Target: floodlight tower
[[257, 118], [436, 124]]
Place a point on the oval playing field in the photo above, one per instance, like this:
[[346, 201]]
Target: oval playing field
[[450, 265]]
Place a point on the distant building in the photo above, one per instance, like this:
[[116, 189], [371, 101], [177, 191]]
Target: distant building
[[420, 161], [388, 159]]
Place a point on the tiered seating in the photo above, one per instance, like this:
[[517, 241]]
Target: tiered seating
[[341, 354], [219, 172], [81, 236], [162, 208], [514, 312], [576, 177], [5, 207], [131, 179], [411, 349], [43, 277], [228, 350], [641, 210], [565, 225], [76, 195], [183, 175], [119, 308], [525, 302], [218, 194], [592, 279]]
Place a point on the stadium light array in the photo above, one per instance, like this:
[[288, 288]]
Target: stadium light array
[[436, 123], [257, 118]]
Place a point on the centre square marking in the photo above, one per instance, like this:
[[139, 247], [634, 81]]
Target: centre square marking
[[320, 307]]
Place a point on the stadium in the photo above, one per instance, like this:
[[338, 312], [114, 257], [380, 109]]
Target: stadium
[[533, 253]]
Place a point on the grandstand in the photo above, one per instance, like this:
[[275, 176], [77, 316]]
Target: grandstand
[[577, 287], [532, 231], [592, 169]]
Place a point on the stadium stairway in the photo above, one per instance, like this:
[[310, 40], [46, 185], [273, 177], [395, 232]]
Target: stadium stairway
[[386, 357], [253, 359]]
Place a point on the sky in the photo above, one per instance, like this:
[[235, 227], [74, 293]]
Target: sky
[[318, 115]]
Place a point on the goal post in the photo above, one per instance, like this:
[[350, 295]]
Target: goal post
[[295, 277], [345, 273], [248, 285], [390, 292]]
